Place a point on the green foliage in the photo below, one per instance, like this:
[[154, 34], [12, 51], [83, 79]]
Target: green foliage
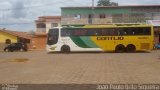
[[106, 3]]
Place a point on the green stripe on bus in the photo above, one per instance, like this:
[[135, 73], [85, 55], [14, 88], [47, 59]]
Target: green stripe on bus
[[87, 40], [77, 40]]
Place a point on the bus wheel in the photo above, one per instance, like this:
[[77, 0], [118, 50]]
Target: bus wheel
[[65, 48], [120, 48], [131, 48]]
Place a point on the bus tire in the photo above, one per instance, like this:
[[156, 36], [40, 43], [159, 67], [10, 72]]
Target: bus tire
[[65, 49], [131, 48], [120, 48]]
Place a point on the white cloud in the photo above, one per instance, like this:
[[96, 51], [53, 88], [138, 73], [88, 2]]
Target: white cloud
[[32, 9], [137, 2]]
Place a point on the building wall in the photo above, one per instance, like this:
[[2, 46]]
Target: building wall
[[3, 37], [48, 24], [112, 15], [39, 42]]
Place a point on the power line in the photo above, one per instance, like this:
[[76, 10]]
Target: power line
[[62, 3], [16, 23], [36, 6]]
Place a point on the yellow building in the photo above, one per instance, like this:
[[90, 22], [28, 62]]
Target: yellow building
[[8, 37]]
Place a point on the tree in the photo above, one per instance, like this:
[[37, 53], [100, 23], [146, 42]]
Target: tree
[[106, 3]]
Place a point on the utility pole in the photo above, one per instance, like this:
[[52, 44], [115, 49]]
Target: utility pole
[[92, 13], [92, 3]]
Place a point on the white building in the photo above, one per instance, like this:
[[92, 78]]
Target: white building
[[44, 23]]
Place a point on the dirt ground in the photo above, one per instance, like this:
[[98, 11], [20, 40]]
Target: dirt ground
[[39, 67]]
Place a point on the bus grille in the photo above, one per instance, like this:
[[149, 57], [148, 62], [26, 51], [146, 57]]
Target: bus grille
[[145, 45]]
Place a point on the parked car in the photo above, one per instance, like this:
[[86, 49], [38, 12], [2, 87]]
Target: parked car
[[16, 47], [157, 46]]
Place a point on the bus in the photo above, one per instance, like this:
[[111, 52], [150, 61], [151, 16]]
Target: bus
[[116, 37]]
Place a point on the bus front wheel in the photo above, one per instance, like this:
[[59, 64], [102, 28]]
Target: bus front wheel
[[131, 48], [65, 49], [120, 48]]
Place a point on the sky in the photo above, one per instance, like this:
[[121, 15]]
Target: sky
[[20, 15]]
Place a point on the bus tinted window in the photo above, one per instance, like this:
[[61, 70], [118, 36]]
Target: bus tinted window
[[134, 31], [94, 32], [66, 32], [141, 31], [53, 35], [80, 32], [106, 31], [147, 31]]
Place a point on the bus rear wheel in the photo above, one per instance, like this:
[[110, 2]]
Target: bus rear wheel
[[120, 48], [131, 48], [65, 49]]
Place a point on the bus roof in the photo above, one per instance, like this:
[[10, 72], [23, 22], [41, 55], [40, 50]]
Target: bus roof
[[108, 25]]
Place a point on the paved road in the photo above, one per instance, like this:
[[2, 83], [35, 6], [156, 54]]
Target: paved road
[[38, 67]]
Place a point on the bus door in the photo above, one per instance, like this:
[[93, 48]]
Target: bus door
[[53, 35]]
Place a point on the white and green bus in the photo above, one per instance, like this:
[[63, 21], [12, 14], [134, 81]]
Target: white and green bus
[[117, 37]]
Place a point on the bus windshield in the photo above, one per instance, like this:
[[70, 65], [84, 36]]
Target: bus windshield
[[53, 35]]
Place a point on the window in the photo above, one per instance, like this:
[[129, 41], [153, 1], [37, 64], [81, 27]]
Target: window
[[102, 16], [66, 32], [79, 32], [148, 15], [54, 25], [87, 32], [53, 35], [8, 41], [134, 31], [41, 25], [105, 31], [77, 16]]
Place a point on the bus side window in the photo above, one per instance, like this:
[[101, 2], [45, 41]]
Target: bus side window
[[67, 33], [111, 32], [104, 32], [128, 31], [90, 32], [133, 33], [95, 33], [77, 32], [120, 31], [98, 32], [84, 32], [147, 31], [63, 32]]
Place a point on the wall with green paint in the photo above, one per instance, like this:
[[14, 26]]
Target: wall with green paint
[[120, 14], [69, 11]]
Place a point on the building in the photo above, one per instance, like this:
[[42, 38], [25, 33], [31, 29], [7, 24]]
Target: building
[[112, 14], [109, 14], [39, 41], [44, 23], [8, 37]]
